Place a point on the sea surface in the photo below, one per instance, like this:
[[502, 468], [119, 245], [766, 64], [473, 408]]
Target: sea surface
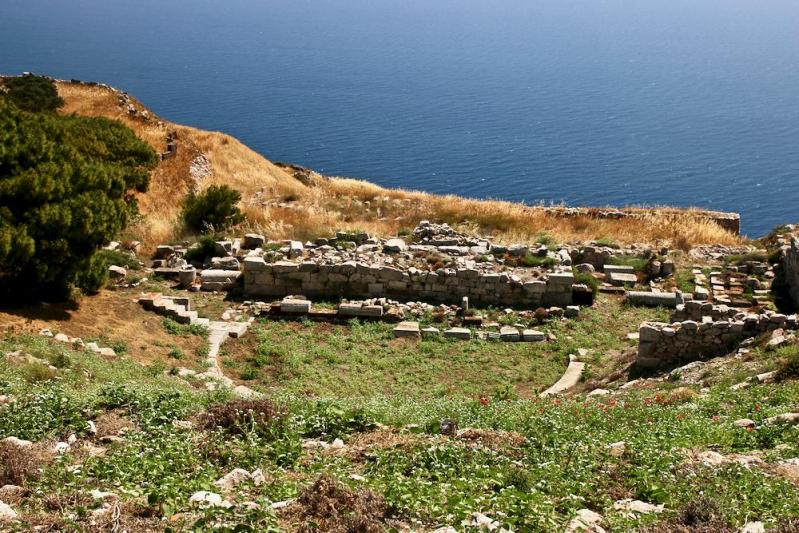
[[586, 102]]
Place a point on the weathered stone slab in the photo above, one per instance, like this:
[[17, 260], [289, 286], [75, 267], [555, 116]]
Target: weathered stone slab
[[622, 269], [253, 240], [295, 306], [654, 299], [458, 333], [509, 334], [533, 335], [621, 279], [406, 330]]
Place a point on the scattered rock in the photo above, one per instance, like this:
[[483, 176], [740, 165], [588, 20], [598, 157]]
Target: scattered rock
[[637, 506], [586, 520], [6, 512], [204, 498]]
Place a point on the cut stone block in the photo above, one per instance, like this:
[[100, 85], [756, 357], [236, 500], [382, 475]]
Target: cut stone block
[[621, 269], [655, 299], [533, 335], [406, 329], [291, 305], [458, 333], [621, 279], [431, 331], [509, 334]]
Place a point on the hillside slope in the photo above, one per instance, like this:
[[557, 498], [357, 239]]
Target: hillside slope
[[287, 201]]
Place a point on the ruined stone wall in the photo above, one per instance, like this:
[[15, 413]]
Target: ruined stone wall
[[728, 221], [663, 345], [359, 280], [790, 270]]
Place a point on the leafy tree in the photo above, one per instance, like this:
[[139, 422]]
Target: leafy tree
[[213, 209], [33, 93], [65, 190]]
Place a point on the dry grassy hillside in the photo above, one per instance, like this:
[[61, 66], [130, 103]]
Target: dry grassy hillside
[[283, 201]]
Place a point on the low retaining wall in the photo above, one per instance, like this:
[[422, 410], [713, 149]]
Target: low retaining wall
[[664, 345], [359, 280]]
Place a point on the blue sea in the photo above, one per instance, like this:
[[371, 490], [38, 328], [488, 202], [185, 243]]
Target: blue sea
[[586, 102]]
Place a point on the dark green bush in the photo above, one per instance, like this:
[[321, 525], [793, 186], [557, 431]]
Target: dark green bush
[[213, 209], [789, 367], [587, 279], [203, 251], [33, 93], [64, 192]]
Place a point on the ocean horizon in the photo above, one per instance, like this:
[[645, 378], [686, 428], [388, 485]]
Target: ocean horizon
[[604, 103]]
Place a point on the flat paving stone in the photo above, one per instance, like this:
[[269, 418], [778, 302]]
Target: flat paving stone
[[462, 334], [407, 329], [621, 279]]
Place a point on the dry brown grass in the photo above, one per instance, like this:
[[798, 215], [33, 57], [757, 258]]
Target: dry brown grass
[[283, 205], [329, 506], [18, 464]]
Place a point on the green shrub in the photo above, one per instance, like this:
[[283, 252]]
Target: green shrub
[[64, 192], [203, 250], [789, 367], [45, 413], [93, 275], [33, 93], [638, 263], [120, 258], [37, 372], [587, 279], [213, 209]]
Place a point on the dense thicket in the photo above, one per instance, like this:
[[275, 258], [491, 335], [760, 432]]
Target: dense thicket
[[213, 209], [32, 93], [65, 184]]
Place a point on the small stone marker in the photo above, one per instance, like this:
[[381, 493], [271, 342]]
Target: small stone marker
[[621, 269], [509, 334], [465, 304], [533, 335], [621, 279], [462, 334], [431, 331], [291, 305], [406, 329]]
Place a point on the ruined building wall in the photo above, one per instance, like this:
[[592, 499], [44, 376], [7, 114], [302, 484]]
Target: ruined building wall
[[359, 280]]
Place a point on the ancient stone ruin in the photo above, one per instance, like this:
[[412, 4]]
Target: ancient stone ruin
[[700, 331]]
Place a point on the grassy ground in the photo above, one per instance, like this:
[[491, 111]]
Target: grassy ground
[[529, 464], [363, 359]]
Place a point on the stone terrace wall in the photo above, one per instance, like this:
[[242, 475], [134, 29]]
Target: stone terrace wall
[[790, 269], [663, 345], [359, 280]]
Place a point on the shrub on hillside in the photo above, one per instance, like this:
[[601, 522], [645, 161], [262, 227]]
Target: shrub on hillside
[[587, 279], [202, 251], [65, 185], [33, 93], [789, 367], [213, 209]]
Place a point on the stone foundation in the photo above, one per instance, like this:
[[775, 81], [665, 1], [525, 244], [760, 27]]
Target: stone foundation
[[359, 280], [665, 345]]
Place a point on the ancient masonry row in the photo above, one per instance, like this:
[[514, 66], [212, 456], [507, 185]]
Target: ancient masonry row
[[359, 280], [701, 330]]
